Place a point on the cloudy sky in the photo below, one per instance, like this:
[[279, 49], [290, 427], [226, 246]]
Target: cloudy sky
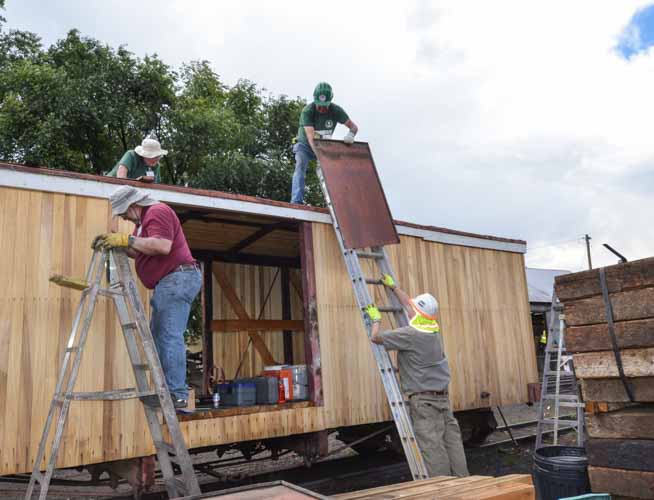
[[525, 119]]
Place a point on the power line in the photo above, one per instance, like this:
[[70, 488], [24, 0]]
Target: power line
[[554, 244]]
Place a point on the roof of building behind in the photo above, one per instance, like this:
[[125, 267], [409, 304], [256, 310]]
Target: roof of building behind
[[540, 283]]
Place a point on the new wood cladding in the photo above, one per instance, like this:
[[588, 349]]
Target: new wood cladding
[[484, 316], [485, 319]]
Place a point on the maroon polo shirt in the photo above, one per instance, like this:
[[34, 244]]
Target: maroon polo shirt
[[160, 221]]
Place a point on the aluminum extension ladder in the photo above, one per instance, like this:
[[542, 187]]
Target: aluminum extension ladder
[[559, 388], [386, 369], [151, 390]]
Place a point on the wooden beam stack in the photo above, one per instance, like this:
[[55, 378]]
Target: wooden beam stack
[[621, 432]]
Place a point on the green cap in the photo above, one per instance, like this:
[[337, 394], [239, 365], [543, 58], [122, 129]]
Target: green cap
[[322, 94]]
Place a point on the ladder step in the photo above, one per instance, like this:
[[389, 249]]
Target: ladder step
[[562, 397], [130, 326], [370, 255], [390, 309], [141, 366], [72, 349], [374, 281], [567, 424], [117, 395]]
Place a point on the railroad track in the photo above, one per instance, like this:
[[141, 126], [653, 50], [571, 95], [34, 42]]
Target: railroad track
[[327, 477]]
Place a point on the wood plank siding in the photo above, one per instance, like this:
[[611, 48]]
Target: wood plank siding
[[484, 316]]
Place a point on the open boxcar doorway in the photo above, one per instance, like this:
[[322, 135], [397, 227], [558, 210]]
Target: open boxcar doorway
[[258, 297]]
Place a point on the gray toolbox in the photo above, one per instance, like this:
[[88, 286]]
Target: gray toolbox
[[267, 390], [241, 392]]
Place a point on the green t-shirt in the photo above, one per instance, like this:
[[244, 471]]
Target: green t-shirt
[[323, 123], [136, 167]]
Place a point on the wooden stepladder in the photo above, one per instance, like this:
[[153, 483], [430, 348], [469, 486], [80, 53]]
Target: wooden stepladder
[[559, 389], [151, 388]]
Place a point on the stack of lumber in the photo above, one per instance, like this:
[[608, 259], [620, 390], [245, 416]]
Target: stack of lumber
[[620, 447], [511, 487]]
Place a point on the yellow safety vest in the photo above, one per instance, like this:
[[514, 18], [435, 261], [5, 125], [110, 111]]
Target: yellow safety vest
[[420, 323], [543, 337]]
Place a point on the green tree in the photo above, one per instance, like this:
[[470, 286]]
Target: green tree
[[79, 104]]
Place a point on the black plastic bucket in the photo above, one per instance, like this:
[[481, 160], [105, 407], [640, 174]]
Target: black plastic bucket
[[560, 472]]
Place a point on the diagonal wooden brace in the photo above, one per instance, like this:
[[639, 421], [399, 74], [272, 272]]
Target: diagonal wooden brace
[[242, 314]]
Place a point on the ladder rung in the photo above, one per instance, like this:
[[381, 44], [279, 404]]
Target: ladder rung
[[37, 476], [72, 349], [374, 281], [567, 424], [131, 325], [566, 397], [389, 309], [117, 395], [370, 255], [141, 366]]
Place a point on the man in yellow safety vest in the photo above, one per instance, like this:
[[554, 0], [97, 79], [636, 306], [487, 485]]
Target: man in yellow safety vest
[[425, 376]]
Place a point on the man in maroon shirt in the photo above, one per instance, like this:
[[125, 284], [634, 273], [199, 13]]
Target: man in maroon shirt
[[164, 264]]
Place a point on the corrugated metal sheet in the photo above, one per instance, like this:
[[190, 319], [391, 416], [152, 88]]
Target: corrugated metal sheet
[[358, 197]]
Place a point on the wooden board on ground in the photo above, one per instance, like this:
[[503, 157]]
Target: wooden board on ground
[[632, 454], [278, 490], [611, 390], [511, 487], [627, 423], [622, 482], [621, 277], [635, 362]]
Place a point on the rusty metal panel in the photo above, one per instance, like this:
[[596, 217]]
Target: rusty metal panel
[[358, 197]]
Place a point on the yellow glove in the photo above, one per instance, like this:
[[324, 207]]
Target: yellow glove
[[111, 240], [387, 280], [373, 313]]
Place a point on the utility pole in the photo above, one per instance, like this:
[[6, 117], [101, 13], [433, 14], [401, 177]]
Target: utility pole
[[590, 263]]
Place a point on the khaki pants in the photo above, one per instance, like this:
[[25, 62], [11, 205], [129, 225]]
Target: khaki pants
[[438, 435]]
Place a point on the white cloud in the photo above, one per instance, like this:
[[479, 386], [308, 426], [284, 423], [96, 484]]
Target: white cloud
[[514, 118]]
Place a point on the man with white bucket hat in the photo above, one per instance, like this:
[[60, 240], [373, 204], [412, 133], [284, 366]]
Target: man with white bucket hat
[[425, 376], [164, 264], [141, 162]]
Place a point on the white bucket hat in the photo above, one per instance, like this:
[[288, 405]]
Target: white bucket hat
[[150, 148], [124, 196]]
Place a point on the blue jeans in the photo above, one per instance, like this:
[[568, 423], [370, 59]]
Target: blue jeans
[[171, 305], [303, 155]]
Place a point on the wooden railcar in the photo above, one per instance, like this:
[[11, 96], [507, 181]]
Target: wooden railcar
[[274, 278]]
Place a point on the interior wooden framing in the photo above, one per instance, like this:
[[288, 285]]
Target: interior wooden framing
[[252, 296]]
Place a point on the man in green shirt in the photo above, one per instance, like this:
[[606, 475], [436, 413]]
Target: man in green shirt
[[425, 377], [140, 162], [317, 119]]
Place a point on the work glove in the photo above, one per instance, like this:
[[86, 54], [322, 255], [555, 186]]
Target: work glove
[[387, 280], [110, 240], [349, 138], [373, 313]]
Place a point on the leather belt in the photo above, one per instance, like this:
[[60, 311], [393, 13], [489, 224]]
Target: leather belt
[[187, 267], [430, 393]]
